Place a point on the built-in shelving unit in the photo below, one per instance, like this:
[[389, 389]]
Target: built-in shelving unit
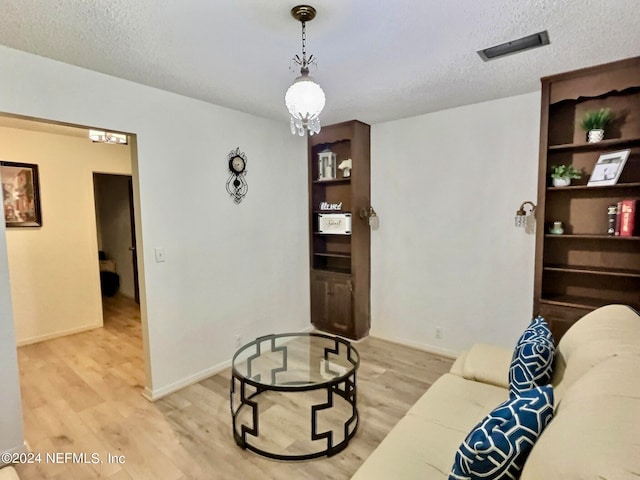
[[340, 263], [585, 268]]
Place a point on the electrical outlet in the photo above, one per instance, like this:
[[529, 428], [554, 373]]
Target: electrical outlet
[[238, 341], [439, 333]]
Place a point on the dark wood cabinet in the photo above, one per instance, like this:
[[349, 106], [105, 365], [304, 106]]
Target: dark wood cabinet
[[332, 302], [340, 262], [585, 268]]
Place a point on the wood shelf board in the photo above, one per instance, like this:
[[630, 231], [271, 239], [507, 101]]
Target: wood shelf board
[[340, 271], [333, 234], [590, 237], [333, 255], [332, 182], [602, 145], [573, 301], [616, 272], [594, 188]]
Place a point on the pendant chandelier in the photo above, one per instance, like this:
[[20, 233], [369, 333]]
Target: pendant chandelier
[[304, 99]]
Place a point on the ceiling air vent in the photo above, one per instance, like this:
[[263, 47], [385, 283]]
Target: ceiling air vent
[[514, 46]]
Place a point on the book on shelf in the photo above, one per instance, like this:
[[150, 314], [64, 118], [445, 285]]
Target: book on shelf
[[628, 211], [616, 227]]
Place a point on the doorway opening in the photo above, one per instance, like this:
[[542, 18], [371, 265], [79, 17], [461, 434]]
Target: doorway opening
[[115, 224]]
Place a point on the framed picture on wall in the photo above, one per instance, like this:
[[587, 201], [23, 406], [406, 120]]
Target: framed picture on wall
[[20, 194]]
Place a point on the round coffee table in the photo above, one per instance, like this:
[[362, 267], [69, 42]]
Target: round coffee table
[[293, 395]]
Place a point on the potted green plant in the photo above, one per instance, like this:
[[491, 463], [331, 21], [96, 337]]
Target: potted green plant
[[561, 175], [594, 123]]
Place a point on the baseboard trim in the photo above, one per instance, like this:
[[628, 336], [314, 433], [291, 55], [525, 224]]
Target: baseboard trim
[[425, 347], [153, 395], [63, 333]]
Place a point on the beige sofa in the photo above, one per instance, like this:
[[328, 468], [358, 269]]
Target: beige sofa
[[8, 473], [595, 432]]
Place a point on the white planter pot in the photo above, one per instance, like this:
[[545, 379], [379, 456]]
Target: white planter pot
[[561, 182], [595, 136]]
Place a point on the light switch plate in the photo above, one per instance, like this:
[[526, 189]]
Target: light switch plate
[[159, 255]]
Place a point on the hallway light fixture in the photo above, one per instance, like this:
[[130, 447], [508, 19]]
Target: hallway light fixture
[[304, 98], [101, 136]]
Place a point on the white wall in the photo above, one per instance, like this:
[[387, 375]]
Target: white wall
[[11, 434], [55, 283], [114, 227], [230, 269], [446, 187]]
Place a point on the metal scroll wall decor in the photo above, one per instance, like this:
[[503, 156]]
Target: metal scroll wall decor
[[236, 184]]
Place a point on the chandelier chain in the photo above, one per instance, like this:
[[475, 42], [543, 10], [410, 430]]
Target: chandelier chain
[[304, 42]]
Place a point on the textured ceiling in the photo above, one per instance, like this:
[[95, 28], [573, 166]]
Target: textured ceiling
[[377, 60]]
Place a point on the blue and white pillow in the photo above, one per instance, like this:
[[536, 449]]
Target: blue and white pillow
[[532, 362], [498, 447], [537, 331]]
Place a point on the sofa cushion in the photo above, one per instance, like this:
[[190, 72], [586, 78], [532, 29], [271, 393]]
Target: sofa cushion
[[594, 433], [498, 446], [532, 363], [423, 443], [487, 364]]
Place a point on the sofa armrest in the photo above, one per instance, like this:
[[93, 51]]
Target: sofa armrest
[[8, 473], [484, 363]]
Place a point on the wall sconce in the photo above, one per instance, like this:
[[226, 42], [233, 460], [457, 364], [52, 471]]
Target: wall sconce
[[524, 214], [101, 136], [371, 216]]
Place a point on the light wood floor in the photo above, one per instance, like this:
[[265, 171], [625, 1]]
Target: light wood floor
[[81, 394]]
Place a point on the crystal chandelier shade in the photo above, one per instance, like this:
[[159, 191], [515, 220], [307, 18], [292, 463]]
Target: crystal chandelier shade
[[304, 98]]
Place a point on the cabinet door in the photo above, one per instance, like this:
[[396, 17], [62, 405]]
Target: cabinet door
[[332, 303], [340, 306], [320, 293]]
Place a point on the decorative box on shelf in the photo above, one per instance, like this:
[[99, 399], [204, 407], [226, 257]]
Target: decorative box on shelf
[[334, 223]]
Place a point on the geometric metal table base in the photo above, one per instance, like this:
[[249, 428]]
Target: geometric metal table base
[[290, 363]]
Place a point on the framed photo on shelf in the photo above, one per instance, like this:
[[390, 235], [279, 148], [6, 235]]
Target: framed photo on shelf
[[20, 194], [608, 168]]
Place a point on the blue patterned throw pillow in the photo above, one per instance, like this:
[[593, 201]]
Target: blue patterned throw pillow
[[499, 445], [537, 331], [532, 362]]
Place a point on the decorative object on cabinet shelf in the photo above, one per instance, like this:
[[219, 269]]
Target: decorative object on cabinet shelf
[[371, 216], [334, 223], [346, 166], [327, 163], [628, 217], [561, 175], [21, 194], [304, 99], [523, 214], [594, 123], [236, 184], [608, 168], [556, 228], [330, 206], [612, 214]]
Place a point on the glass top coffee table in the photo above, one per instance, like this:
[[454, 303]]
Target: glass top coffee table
[[293, 395]]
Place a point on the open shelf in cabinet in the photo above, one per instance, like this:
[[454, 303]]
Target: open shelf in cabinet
[[612, 143], [573, 301], [614, 272]]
